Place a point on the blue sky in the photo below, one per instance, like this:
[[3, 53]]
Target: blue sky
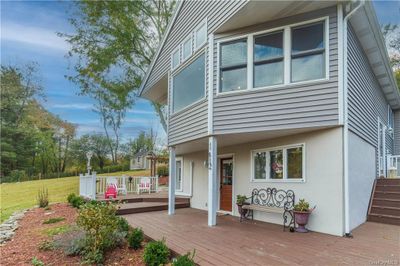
[[28, 33]]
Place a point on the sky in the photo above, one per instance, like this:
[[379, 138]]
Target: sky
[[28, 33]]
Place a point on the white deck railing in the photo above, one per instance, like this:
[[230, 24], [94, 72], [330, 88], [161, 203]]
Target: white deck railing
[[87, 185], [130, 184], [393, 166]]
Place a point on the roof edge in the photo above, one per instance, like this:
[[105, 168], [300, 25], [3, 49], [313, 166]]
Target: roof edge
[[177, 9]]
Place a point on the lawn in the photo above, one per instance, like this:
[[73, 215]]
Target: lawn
[[19, 196]]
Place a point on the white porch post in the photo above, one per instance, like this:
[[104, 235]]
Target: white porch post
[[212, 181], [171, 183]]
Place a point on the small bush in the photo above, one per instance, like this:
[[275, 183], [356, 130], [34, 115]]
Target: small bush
[[77, 202], [156, 253], [162, 170], [71, 197], [54, 220], [123, 225], [36, 262], [185, 260], [135, 238], [46, 245], [43, 198]]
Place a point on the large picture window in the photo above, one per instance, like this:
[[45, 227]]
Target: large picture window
[[268, 59], [284, 163], [308, 52], [189, 84], [233, 71]]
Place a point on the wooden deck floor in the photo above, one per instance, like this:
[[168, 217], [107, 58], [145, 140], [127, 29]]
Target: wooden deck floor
[[258, 243]]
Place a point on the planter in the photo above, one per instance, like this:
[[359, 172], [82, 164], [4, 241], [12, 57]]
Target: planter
[[242, 212], [301, 219]]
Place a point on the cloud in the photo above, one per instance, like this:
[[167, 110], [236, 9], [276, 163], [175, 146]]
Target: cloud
[[141, 112], [77, 106], [35, 36]]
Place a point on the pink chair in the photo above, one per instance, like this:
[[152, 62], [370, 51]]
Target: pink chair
[[111, 191]]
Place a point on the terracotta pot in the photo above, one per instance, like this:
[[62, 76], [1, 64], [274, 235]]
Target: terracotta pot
[[301, 219]]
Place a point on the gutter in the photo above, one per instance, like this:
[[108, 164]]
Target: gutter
[[343, 81]]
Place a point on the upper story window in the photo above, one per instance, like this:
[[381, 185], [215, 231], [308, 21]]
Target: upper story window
[[233, 66], [283, 163], [268, 59], [189, 84], [176, 59], [308, 52], [200, 35], [187, 48], [281, 56]]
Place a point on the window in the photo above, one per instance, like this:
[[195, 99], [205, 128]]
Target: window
[[308, 52], [233, 70], [178, 180], [187, 48], [176, 60], [200, 36], [284, 163], [268, 59], [189, 84]]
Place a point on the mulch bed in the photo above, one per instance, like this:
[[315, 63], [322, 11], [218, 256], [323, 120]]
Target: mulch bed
[[31, 232]]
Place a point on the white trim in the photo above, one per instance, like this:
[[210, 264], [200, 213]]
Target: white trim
[[340, 62], [177, 49], [212, 181], [284, 149], [287, 54], [203, 23], [171, 183], [180, 159], [210, 95], [226, 156], [189, 38], [390, 121]]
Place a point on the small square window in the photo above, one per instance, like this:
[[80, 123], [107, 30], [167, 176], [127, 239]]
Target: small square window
[[176, 60], [187, 48], [200, 36]]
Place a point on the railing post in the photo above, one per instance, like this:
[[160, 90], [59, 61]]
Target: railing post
[[93, 185]]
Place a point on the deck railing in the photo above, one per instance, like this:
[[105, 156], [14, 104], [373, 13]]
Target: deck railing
[[131, 184], [393, 166]]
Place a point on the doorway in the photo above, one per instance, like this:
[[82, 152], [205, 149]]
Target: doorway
[[226, 182]]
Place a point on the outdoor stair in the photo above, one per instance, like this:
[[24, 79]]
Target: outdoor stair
[[385, 202], [140, 205]]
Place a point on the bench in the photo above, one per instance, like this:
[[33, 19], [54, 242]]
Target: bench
[[271, 200]]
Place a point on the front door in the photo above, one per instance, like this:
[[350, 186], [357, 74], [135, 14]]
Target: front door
[[226, 175]]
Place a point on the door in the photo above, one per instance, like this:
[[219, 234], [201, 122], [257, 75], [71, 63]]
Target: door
[[226, 176]]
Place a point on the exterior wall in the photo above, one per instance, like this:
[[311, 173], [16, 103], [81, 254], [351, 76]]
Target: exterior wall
[[362, 172], [288, 106], [397, 132], [366, 101], [323, 185]]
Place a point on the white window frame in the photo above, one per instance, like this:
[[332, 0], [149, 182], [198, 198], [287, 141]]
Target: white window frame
[[390, 119], [285, 179], [287, 39], [177, 71], [200, 45], [179, 159], [177, 49], [189, 38]]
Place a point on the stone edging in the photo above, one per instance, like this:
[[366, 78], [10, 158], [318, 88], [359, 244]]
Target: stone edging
[[7, 229]]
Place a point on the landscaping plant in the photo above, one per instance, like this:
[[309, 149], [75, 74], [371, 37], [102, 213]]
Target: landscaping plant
[[36, 262], [43, 198], [135, 238], [123, 225], [185, 260], [302, 206], [75, 201], [156, 253], [54, 220], [240, 199], [46, 245]]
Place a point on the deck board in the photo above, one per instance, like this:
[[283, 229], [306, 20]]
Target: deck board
[[259, 243]]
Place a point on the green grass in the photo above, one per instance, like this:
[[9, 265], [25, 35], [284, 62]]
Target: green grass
[[54, 220], [58, 230], [23, 195]]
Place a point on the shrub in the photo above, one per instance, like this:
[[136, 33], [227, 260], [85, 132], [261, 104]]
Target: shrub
[[101, 227], [162, 170], [46, 245], [58, 230], [156, 253], [71, 197], [135, 238], [17, 176], [123, 225], [302, 206], [36, 262], [43, 198], [54, 220], [185, 260], [75, 201]]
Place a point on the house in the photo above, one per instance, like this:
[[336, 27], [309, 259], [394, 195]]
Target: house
[[139, 161], [295, 95]]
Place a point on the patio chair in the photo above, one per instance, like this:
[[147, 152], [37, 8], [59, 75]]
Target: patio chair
[[120, 187], [144, 184]]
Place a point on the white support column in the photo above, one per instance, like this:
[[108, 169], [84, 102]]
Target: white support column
[[212, 181], [171, 183]]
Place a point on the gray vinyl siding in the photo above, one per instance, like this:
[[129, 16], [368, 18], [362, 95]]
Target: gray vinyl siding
[[366, 101], [397, 132], [312, 104], [192, 122]]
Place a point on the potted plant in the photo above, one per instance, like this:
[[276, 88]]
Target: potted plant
[[240, 201], [301, 213]]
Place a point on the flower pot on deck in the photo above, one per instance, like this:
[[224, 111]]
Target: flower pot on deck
[[301, 219]]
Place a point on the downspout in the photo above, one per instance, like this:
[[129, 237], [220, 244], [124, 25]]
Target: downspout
[[346, 194]]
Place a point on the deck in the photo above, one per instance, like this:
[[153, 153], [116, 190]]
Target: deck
[[258, 243]]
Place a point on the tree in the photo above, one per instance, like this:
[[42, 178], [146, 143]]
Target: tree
[[391, 33], [113, 44], [145, 141]]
